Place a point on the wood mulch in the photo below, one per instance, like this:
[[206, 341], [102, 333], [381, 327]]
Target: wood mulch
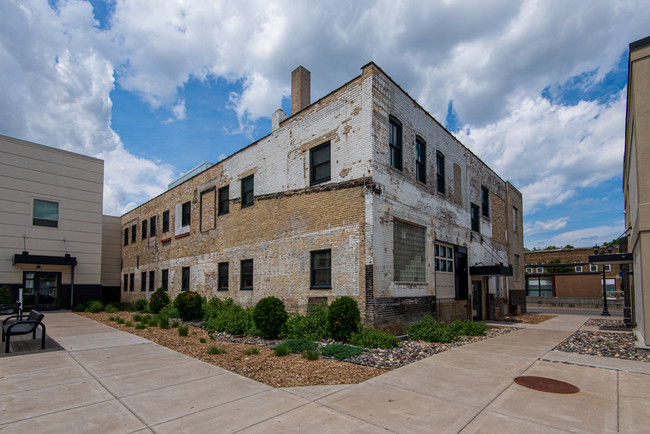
[[531, 318]]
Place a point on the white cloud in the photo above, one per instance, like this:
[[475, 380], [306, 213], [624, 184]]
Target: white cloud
[[545, 226], [582, 237]]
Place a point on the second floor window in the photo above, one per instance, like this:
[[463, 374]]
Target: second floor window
[[476, 223], [420, 160], [165, 222], [45, 213], [133, 233], [485, 201], [152, 226], [319, 164], [440, 172], [247, 191], [186, 213], [224, 200], [395, 143], [144, 229]]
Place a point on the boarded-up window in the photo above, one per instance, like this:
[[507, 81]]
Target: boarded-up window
[[208, 209], [408, 252]]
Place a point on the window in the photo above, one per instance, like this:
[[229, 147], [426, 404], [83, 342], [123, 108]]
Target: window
[[529, 270], [246, 274], [515, 219], [126, 236], [247, 195], [319, 164], [222, 277], [593, 267], [185, 279], [539, 286], [578, 268], [420, 160], [164, 279], [395, 143], [321, 269], [408, 252], [126, 282], [476, 223], [144, 229], [152, 280], [224, 200], [608, 267], [133, 228], [143, 281], [444, 258], [165, 224], [132, 282], [485, 201], [152, 226], [45, 213], [186, 214], [539, 270], [440, 172]]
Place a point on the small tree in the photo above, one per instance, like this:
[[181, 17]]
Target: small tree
[[270, 316]]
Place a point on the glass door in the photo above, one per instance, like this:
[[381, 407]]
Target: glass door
[[41, 290]]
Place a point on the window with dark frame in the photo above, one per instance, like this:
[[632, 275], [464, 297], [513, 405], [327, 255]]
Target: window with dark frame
[[143, 281], [45, 213], [144, 229], [321, 269], [152, 226], [420, 160], [485, 201], [319, 163], [132, 282], [126, 236], [246, 272], [395, 143], [152, 280], [440, 172], [444, 258], [164, 279], [133, 229], [126, 282], [186, 214], [476, 223], [222, 277], [165, 222], [185, 279], [247, 191], [224, 200]]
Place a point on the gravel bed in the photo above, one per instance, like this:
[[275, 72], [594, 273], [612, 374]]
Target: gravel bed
[[407, 352], [619, 345], [593, 322]]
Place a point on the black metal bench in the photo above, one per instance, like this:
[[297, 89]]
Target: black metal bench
[[10, 309], [24, 324]]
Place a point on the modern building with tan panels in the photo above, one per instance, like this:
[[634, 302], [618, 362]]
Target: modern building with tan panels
[[55, 243], [361, 193], [636, 184]]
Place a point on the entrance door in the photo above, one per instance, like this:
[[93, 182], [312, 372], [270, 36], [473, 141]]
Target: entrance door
[[41, 290], [460, 276], [477, 301]]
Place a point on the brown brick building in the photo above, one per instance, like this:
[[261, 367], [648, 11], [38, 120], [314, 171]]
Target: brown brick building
[[361, 193]]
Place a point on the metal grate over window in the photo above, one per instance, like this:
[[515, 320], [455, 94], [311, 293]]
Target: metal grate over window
[[408, 252]]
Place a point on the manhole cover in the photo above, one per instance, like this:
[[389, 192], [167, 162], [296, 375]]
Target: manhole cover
[[546, 384]]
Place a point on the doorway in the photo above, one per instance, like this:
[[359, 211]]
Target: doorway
[[477, 300], [41, 290]]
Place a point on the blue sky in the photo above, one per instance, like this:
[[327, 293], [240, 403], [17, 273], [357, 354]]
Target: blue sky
[[535, 89]]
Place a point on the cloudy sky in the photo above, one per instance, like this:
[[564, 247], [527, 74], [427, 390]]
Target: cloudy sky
[[537, 89]]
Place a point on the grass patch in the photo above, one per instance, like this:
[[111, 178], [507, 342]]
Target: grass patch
[[216, 350], [137, 317], [369, 337], [251, 351], [341, 352], [282, 350], [128, 324], [311, 355], [183, 330], [119, 320], [140, 326], [202, 340], [175, 324]]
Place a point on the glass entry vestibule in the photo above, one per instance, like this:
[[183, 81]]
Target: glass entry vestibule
[[42, 290]]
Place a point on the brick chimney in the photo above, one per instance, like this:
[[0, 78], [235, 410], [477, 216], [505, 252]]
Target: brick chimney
[[300, 89]]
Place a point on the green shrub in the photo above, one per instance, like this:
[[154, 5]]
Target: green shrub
[[282, 350], [311, 355], [183, 330], [162, 320], [110, 308], [473, 328], [312, 326], [111, 318], [79, 308], [140, 326], [137, 317], [175, 324], [119, 320], [170, 310], [341, 352], [94, 307], [225, 316], [430, 330], [128, 324], [140, 305], [188, 304], [216, 350], [270, 316], [343, 319], [369, 337], [202, 340], [7, 295], [299, 345], [158, 300], [251, 351]]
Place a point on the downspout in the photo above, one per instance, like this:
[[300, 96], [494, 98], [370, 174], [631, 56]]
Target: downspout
[[72, 287]]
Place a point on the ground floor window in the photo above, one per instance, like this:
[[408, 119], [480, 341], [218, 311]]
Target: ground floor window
[[321, 269], [132, 282], [222, 278], [246, 274], [126, 282], [143, 281], [539, 286], [408, 252], [185, 279], [164, 279], [444, 258], [152, 280]]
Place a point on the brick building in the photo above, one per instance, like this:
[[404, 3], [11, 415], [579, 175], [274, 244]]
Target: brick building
[[361, 193], [565, 277]]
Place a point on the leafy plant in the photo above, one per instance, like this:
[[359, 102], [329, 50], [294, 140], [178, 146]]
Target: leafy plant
[[216, 350], [6, 295], [430, 330], [312, 326], [158, 300], [251, 351], [183, 330], [110, 308], [299, 345], [111, 318], [341, 352], [162, 320], [343, 319], [225, 316], [282, 350], [188, 304], [140, 326], [270, 316], [175, 324], [137, 317], [369, 337], [128, 324], [140, 305], [311, 355], [170, 310], [80, 307], [202, 340], [94, 307], [119, 320]]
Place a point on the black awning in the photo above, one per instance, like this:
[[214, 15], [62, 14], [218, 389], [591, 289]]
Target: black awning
[[490, 270], [26, 258], [611, 258]]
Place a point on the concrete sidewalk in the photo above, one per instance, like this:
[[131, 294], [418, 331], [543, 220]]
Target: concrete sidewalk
[[111, 381]]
